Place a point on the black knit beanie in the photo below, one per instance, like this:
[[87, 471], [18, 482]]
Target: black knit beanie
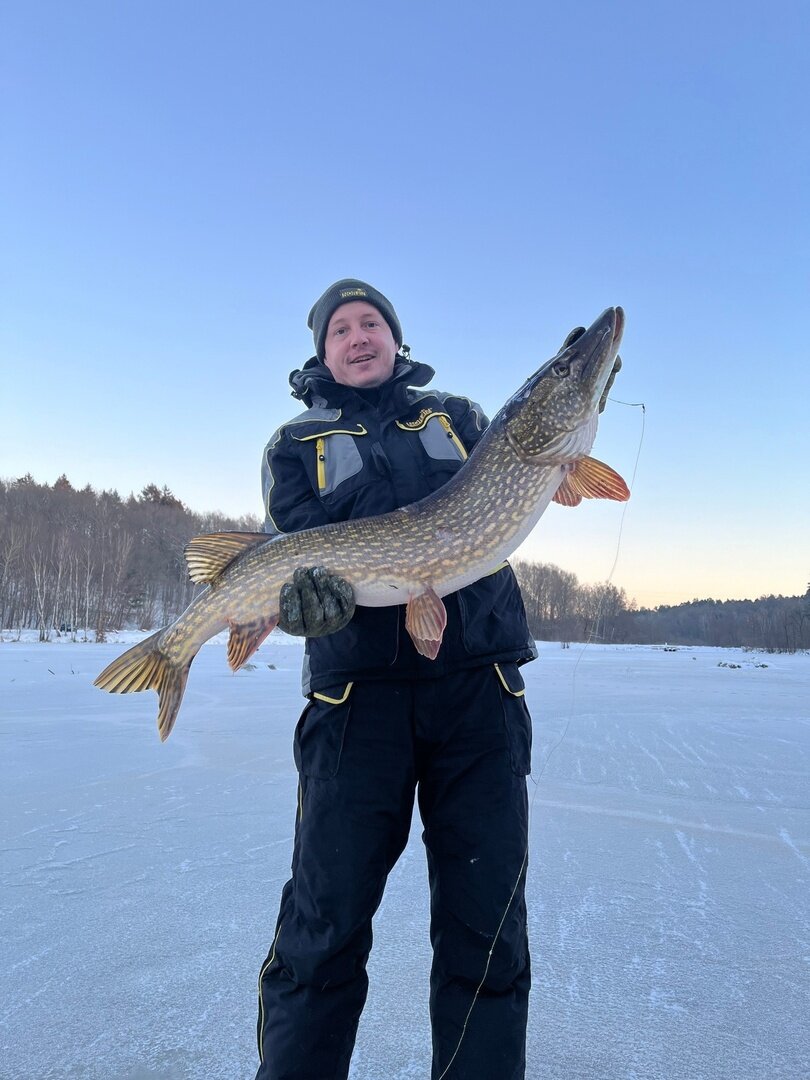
[[344, 292]]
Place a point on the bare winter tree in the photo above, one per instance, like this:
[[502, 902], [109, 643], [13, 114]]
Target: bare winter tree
[[73, 561]]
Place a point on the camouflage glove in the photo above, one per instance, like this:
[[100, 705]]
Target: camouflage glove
[[315, 603], [577, 332]]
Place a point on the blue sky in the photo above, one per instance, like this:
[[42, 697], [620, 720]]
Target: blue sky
[[179, 182]]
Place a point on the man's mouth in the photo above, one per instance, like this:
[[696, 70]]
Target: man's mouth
[[362, 359]]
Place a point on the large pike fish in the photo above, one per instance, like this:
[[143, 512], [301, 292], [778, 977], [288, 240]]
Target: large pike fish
[[535, 450]]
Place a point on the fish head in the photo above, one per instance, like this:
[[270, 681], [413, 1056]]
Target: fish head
[[552, 418]]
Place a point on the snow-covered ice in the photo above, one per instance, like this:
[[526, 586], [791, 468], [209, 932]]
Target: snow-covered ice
[[669, 879]]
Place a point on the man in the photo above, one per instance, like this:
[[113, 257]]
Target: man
[[383, 723]]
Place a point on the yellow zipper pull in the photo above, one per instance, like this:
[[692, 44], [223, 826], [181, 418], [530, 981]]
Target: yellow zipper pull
[[456, 441], [320, 454]]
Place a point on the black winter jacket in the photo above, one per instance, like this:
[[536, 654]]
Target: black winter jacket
[[349, 456]]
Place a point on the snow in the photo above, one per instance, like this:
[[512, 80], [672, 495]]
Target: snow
[[668, 887]]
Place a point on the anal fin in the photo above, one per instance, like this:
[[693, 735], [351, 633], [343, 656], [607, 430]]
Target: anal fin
[[245, 639], [589, 478], [425, 620]]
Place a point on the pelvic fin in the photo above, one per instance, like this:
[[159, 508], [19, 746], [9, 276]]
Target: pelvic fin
[[425, 620]]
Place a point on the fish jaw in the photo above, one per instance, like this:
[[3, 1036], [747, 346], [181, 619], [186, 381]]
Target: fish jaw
[[554, 415]]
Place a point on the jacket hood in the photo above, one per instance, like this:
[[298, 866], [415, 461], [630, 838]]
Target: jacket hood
[[315, 386]]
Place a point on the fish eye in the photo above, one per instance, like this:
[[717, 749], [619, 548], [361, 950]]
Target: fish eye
[[561, 368]]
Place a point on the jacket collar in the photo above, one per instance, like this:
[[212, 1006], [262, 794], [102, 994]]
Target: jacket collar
[[314, 385]]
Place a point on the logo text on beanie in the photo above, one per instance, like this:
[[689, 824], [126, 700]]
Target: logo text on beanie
[[351, 292]]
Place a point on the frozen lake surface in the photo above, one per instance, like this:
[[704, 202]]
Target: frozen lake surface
[[668, 887]]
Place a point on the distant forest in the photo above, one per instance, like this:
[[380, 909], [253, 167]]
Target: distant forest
[[84, 562], [561, 609]]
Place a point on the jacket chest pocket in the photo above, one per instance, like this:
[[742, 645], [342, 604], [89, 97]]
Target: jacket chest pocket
[[337, 459], [352, 477], [331, 456], [439, 440]]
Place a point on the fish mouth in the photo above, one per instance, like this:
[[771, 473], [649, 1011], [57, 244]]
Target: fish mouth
[[600, 341], [618, 328], [609, 325], [590, 357]]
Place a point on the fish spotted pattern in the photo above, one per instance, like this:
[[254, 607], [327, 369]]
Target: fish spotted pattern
[[535, 450]]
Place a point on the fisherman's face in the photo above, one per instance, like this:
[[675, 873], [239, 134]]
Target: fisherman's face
[[359, 348]]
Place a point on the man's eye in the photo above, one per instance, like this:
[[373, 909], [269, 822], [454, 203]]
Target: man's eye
[[340, 330]]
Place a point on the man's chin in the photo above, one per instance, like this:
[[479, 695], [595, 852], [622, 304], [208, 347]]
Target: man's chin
[[368, 379]]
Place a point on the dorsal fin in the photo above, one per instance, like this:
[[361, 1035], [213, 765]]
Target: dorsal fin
[[207, 556], [591, 479]]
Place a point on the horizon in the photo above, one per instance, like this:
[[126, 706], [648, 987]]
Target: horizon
[[179, 186], [519, 555]]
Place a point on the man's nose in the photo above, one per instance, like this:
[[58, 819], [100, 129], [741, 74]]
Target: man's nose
[[359, 336]]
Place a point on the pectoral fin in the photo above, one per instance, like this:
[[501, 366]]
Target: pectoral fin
[[591, 479], [245, 640], [425, 620]]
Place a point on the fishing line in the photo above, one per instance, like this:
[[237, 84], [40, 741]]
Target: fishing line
[[557, 744], [600, 609], [643, 407]]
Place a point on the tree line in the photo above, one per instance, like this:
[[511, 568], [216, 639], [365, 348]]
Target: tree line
[[559, 608], [84, 562]]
